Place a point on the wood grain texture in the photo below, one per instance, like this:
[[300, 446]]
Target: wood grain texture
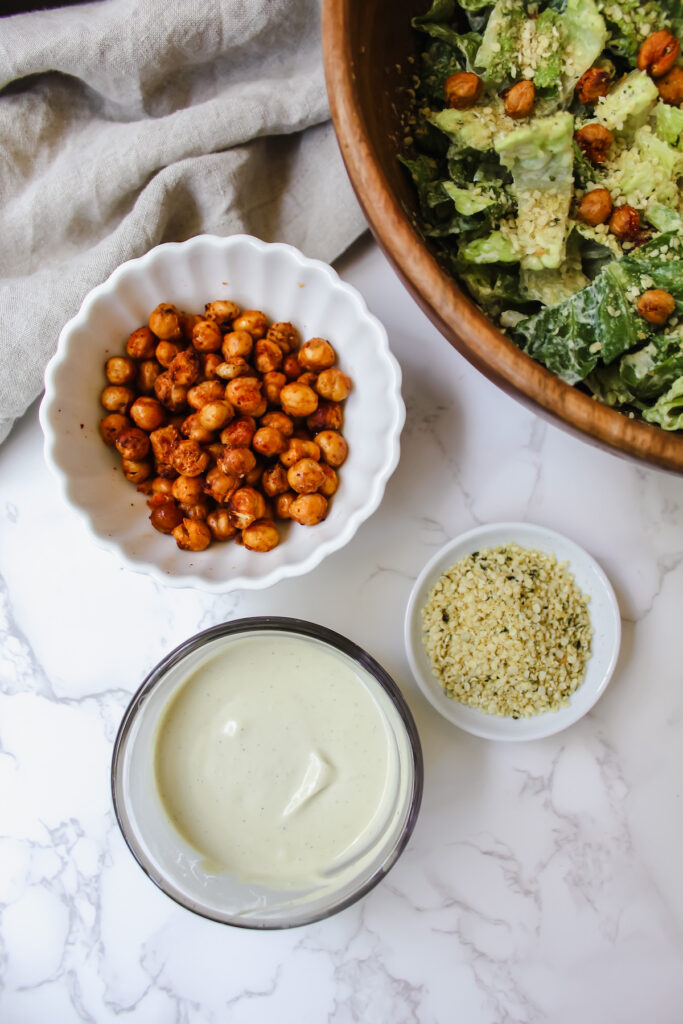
[[367, 46]]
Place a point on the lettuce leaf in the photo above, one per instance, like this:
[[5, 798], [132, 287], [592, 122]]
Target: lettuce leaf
[[667, 412], [650, 371]]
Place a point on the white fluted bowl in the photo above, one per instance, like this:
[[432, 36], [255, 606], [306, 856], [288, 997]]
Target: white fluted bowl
[[287, 286]]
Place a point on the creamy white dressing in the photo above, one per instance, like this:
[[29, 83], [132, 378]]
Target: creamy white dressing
[[275, 760]]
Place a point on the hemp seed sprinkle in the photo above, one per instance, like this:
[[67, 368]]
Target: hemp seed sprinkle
[[508, 631]]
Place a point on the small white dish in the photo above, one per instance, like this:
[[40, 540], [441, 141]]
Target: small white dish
[[604, 614], [287, 286]]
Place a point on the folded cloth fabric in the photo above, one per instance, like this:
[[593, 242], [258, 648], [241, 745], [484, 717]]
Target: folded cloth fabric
[[124, 124]]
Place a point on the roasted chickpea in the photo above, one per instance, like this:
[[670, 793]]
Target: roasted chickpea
[[195, 510], [192, 535], [285, 335], [253, 321], [280, 420], [274, 480], [283, 503], [262, 535], [462, 90], [328, 416], [136, 471], [220, 485], [193, 428], [308, 377], [316, 354], [233, 368], [333, 385], [268, 441], [593, 84], [148, 371], [246, 505], [305, 476], [188, 489], [160, 485], [253, 477], [120, 370], [206, 336], [331, 481], [299, 448], [184, 368], [207, 391], [216, 415], [116, 398], [236, 461], [519, 100], [172, 396], [141, 344], [595, 141], [625, 223], [164, 321], [219, 523], [333, 447], [164, 441], [244, 393], [222, 311], [308, 509], [595, 207], [291, 367], [147, 413], [214, 449], [189, 459], [165, 352], [237, 345], [165, 514], [670, 87], [273, 383], [112, 425], [267, 355], [188, 322], [239, 433], [656, 306], [210, 362], [658, 53], [298, 399]]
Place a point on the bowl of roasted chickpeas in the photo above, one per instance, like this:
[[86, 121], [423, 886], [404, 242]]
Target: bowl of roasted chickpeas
[[223, 412]]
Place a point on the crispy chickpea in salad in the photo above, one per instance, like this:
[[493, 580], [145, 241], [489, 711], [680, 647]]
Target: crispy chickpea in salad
[[546, 147], [226, 423]]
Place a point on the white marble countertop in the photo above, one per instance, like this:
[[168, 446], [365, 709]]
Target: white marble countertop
[[543, 881]]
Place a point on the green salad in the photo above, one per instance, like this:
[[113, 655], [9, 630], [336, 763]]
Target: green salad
[[546, 148]]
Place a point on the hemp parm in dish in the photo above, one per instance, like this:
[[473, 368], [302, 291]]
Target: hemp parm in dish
[[508, 631]]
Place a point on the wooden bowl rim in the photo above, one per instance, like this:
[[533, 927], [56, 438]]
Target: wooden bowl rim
[[459, 319]]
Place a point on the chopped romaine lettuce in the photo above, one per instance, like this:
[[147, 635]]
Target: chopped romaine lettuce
[[472, 129], [493, 248], [552, 286], [584, 34], [469, 201], [667, 412], [663, 217], [648, 170], [628, 104], [652, 369], [498, 56], [669, 124], [540, 156], [629, 22]]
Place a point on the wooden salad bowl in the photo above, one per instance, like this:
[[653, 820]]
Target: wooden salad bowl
[[370, 56]]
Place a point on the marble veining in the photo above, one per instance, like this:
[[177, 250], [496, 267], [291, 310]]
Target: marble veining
[[542, 883]]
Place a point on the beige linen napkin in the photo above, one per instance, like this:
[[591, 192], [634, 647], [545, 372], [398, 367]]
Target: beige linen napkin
[[127, 123]]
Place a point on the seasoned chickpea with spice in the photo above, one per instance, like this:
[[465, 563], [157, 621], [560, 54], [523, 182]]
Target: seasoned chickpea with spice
[[164, 321], [593, 84], [670, 87], [261, 535], [213, 414], [658, 53], [308, 509], [192, 535], [595, 207], [595, 141], [656, 306], [625, 223], [298, 399], [462, 90], [519, 100]]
